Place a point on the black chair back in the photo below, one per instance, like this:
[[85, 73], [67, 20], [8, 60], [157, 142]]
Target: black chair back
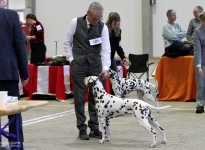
[[138, 63]]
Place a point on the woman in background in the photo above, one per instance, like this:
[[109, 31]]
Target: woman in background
[[113, 24], [199, 63], [36, 38]]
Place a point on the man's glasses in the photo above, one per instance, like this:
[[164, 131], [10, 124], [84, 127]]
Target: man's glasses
[[94, 19], [195, 12]]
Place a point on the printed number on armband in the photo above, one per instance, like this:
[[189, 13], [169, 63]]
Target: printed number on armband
[[38, 27]]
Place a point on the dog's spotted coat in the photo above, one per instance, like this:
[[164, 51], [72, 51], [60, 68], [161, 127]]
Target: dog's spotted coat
[[123, 86], [109, 106]]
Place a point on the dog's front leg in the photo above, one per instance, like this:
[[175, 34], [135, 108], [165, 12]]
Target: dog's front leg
[[103, 125], [155, 101], [107, 138], [150, 97]]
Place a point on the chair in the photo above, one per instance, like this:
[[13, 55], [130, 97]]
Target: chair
[[138, 64]]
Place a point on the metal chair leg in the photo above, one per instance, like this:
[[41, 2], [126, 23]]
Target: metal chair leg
[[148, 75]]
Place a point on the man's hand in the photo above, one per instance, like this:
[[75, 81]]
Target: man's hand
[[24, 81], [200, 72], [125, 61], [103, 74]]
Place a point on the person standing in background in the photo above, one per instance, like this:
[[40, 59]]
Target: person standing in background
[[13, 65], [194, 23], [36, 38], [199, 62], [113, 24], [172, 31], [87, 47]]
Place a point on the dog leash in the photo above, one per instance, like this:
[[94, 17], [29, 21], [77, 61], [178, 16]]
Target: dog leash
[[91, 84]]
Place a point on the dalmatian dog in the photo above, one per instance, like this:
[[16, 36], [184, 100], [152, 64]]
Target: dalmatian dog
[[123, 86], [108, 106]]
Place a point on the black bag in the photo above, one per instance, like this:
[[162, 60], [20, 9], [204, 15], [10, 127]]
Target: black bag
[[176, 46], [179, 48]]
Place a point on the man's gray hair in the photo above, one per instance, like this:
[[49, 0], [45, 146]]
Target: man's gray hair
[[170, 12], [200, 8], [96, 6]]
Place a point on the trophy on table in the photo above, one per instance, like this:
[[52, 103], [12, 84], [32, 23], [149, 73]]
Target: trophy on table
[[56, 45]]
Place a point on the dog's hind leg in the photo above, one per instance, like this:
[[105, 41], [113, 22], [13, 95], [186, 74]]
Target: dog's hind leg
[[150, 97], [144, 123], [107, 137], [154, 122], [147, 126], [103, 125], [142, 118]]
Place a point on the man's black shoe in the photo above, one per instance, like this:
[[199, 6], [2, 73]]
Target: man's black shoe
[[96, 133], [199, 109], [83, 135]]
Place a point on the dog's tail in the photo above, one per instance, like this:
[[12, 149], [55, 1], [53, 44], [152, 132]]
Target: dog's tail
[[164, 107]]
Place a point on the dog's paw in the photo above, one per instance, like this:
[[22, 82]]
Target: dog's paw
[[163, 142], [107, 139], [101, 142], [152, 145]]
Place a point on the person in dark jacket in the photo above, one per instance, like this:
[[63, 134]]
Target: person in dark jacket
[[36, 38], [113, 24], [13, 65]]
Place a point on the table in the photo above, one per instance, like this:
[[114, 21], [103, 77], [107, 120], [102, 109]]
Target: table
[[48, 80], [13, 108], [176, 78]]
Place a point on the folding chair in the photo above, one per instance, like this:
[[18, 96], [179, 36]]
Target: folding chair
[[138, 64]]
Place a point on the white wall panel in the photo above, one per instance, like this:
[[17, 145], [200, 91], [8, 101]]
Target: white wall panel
[[56, 16], [16, 4]]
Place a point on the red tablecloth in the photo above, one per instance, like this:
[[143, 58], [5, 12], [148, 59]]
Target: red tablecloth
[[55, 83], [52, 81]]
